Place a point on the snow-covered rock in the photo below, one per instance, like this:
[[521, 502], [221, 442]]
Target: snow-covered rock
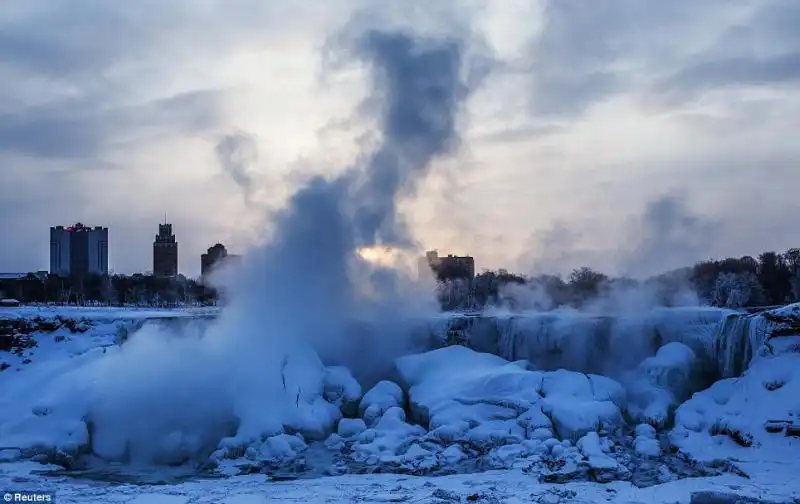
[[749, 411], [578, 403], [455, 384], [351, 427], [646, 441], [603, 467], [342, 389], [661, 382], [390, 437], [379, 399], [453, 388]]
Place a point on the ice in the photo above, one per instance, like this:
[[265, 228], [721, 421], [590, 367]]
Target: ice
[[478, 410], [610, 343]]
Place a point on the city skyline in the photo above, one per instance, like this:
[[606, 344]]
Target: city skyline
[[60, 253], [645, 150]]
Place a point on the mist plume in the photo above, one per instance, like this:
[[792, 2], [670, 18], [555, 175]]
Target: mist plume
[[307, 286]]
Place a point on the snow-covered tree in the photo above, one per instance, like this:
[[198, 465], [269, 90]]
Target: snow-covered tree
[[736, 290]]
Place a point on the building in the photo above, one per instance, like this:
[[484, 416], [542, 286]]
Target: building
[[78, 250], [212, 258], [165, 252], [449, 267]]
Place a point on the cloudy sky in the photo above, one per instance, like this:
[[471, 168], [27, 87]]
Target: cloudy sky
[[632, 136]]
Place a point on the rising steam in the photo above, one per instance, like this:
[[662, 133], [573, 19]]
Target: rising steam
[[309, 285]]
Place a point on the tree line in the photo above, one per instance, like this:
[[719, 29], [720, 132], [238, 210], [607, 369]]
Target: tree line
[[770, 279], [114, 290]]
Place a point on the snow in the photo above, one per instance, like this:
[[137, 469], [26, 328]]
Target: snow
[[477, 411], [736, 411], [506, 486], [105, 313]]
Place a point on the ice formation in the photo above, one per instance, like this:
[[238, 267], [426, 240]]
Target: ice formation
[[447, 409]]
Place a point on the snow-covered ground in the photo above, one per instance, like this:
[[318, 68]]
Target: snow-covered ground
[[774, 482], [106, 422]]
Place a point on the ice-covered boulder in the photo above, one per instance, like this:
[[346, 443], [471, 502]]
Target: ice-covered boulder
[[579, 403], [458, 392], [645, 441], [342, 389], [379, 399], [453, 386], [390, 438], [350, 427], [661, 382]]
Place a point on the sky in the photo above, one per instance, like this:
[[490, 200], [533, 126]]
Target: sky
[[629, 136]]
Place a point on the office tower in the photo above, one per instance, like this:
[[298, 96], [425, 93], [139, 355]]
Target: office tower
[[78, 250], [165, 252]]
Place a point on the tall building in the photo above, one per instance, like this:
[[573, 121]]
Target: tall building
[[213, 256], [78, 250], [165, 252]]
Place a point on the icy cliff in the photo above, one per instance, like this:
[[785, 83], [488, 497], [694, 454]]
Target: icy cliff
[[723, 340]]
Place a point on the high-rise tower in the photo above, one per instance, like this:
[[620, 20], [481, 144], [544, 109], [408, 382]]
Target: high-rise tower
[[165, 252], [78, 250]]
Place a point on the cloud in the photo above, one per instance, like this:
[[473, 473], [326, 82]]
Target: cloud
[[668, 236], [237, 153], [83, 128], [584, 113]]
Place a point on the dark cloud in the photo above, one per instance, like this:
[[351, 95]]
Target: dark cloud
[[84, 128], [84, 39], [81, 76], [763, 50], [736, 72], [588, 52], [418, 85], [578, 59]]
